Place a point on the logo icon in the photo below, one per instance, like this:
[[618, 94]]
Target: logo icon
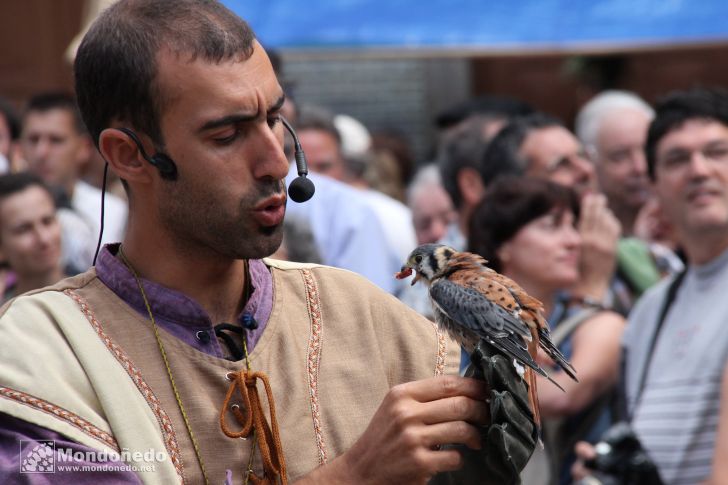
[[37, 457]]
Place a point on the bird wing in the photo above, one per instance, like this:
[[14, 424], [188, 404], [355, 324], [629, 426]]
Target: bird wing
[[497, 294], [479, 315], [532, 315]]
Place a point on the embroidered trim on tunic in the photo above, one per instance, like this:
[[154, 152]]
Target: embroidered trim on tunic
[[168, 435], [441, 351], [315, 345], [73, 419]]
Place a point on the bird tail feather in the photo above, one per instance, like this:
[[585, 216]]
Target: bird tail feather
[[552, 351]]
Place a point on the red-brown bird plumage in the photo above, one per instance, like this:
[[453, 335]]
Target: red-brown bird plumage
[[473, 302]]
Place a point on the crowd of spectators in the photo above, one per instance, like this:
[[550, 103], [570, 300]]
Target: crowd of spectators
[[620, 228]]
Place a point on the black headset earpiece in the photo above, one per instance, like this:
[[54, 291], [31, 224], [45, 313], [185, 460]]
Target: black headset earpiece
[[166, 166], [161, 161]]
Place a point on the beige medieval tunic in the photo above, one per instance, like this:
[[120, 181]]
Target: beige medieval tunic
[[86, 365]]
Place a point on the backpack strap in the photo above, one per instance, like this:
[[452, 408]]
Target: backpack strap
[[568, 326], [558, 443]]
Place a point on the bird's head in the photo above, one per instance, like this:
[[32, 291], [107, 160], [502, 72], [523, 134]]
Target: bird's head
[[427, 261]]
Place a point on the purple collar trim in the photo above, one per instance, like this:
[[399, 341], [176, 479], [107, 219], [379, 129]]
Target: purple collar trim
[[175, 311]]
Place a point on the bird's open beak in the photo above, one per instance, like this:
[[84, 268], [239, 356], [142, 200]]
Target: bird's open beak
[[403, 273]]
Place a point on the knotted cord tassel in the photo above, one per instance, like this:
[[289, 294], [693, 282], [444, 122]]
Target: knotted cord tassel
[[252, 419]]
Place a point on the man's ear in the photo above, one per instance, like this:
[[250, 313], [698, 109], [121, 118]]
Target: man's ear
[[470, 185], [123, 156]]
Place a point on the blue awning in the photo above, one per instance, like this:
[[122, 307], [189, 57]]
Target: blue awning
[[484, 25]]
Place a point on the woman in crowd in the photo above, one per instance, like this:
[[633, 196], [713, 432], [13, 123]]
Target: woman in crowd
[[30, 235], [525, 228]]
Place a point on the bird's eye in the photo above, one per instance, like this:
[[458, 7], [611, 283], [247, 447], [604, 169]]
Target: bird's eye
[[418, 259]]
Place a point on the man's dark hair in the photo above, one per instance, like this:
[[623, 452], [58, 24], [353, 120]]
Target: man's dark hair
[[463, 147], [672, 111], [116, 63], [502, 157], [11, 118], [465, 141], [44, 102], [509, 205], [13, 183]]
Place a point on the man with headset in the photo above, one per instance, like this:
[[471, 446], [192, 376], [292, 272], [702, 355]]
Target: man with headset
[[182, 339], [675, 344]]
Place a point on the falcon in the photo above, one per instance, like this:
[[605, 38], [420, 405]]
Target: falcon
[[472, 302]]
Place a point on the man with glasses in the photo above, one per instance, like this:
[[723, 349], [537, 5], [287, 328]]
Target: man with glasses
[[540, 146], [553, 152], [675, 345]]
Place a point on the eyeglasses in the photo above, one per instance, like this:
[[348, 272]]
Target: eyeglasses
[[575, 162], [678, 159]]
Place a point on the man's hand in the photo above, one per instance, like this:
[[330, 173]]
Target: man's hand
[[584, 453], [652, 226], [436, 425], [403, 441], [599, 231]]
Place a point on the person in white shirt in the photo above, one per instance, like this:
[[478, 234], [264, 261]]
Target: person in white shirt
[[56, 147], [390, 236]]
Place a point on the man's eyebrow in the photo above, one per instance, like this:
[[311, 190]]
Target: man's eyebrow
[[278, 104], [240, 118], [226, 121]]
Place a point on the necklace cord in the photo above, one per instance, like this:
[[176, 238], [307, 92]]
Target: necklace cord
[[166, 365]]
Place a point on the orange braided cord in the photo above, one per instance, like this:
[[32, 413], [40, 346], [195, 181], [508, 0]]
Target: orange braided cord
[[253, 419]]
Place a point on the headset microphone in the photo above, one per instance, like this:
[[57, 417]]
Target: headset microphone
[[301, 189]]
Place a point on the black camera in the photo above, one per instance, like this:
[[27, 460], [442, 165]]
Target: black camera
[[621, 460]]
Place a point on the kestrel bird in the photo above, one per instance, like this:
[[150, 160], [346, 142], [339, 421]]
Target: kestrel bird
[[473, 303]]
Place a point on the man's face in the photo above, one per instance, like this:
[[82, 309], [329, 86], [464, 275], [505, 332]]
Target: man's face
[[322, 153], [691, 170], [619, 157], [432, 213], [53, 147], [220, 126], [30, 235], [555, 154]]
